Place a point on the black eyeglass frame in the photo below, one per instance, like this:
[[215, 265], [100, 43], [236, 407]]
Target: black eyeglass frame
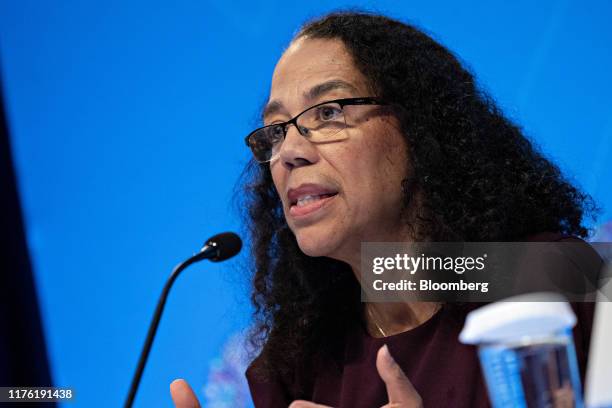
[[369, 100]]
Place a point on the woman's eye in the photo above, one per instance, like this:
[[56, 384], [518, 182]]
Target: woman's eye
[[329, 112], [276, 133]]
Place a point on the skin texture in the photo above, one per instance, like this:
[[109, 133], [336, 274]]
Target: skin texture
[[182, 395], [366, 165]]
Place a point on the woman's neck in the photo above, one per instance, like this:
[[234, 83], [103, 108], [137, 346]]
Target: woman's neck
[[387, 319]]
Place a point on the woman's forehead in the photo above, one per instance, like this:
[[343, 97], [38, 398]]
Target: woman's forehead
[[308, 63]]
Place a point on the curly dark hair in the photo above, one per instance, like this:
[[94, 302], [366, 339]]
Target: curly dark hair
[[481, 179]]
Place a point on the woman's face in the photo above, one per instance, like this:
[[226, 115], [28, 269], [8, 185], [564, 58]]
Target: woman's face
[[354, 181]]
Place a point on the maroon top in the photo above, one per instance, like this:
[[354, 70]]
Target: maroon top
[[445, 372]]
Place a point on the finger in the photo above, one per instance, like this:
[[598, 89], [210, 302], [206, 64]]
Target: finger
[[182, 395], [400, 391], [306, 404]]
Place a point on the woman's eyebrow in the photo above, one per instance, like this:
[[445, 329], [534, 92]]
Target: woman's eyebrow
[[313, 93], [319, 90], [272, 108]]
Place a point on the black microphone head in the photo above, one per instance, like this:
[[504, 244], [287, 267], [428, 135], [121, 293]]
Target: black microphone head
[[227, 245]]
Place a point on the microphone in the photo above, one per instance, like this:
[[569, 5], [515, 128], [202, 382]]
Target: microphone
[[218, 248]]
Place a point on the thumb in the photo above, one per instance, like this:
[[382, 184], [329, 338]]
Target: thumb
[[400, 391], [182, 395]]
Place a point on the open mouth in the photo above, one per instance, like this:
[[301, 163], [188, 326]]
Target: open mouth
[[309, 203], [310, 198]]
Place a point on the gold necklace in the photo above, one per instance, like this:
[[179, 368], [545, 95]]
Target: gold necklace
[[369, 311], [375, 322]]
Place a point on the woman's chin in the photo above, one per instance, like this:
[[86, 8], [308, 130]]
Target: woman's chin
[[313, 250], [314, 246]]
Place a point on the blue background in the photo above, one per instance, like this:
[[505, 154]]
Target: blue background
[[127, 123]]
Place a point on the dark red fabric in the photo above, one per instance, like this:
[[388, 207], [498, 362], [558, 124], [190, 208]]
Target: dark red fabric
[[445, 372]]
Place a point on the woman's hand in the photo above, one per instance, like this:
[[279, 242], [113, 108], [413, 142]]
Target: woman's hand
[[400, 391], [182, 395]]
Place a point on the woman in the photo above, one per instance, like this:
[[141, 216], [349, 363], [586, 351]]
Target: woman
[[375, 132]]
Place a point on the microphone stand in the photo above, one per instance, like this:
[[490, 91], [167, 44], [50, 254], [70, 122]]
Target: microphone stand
[[207, 252]]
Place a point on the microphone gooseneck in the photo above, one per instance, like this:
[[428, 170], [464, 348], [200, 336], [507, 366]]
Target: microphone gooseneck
[[218, 248]]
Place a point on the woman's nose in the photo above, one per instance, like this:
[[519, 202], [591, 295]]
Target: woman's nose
[[296, 150]]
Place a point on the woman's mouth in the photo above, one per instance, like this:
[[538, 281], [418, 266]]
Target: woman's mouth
[[308, 198], [307, 204]]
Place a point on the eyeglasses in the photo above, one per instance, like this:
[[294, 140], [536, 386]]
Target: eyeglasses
[[317, 123]]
